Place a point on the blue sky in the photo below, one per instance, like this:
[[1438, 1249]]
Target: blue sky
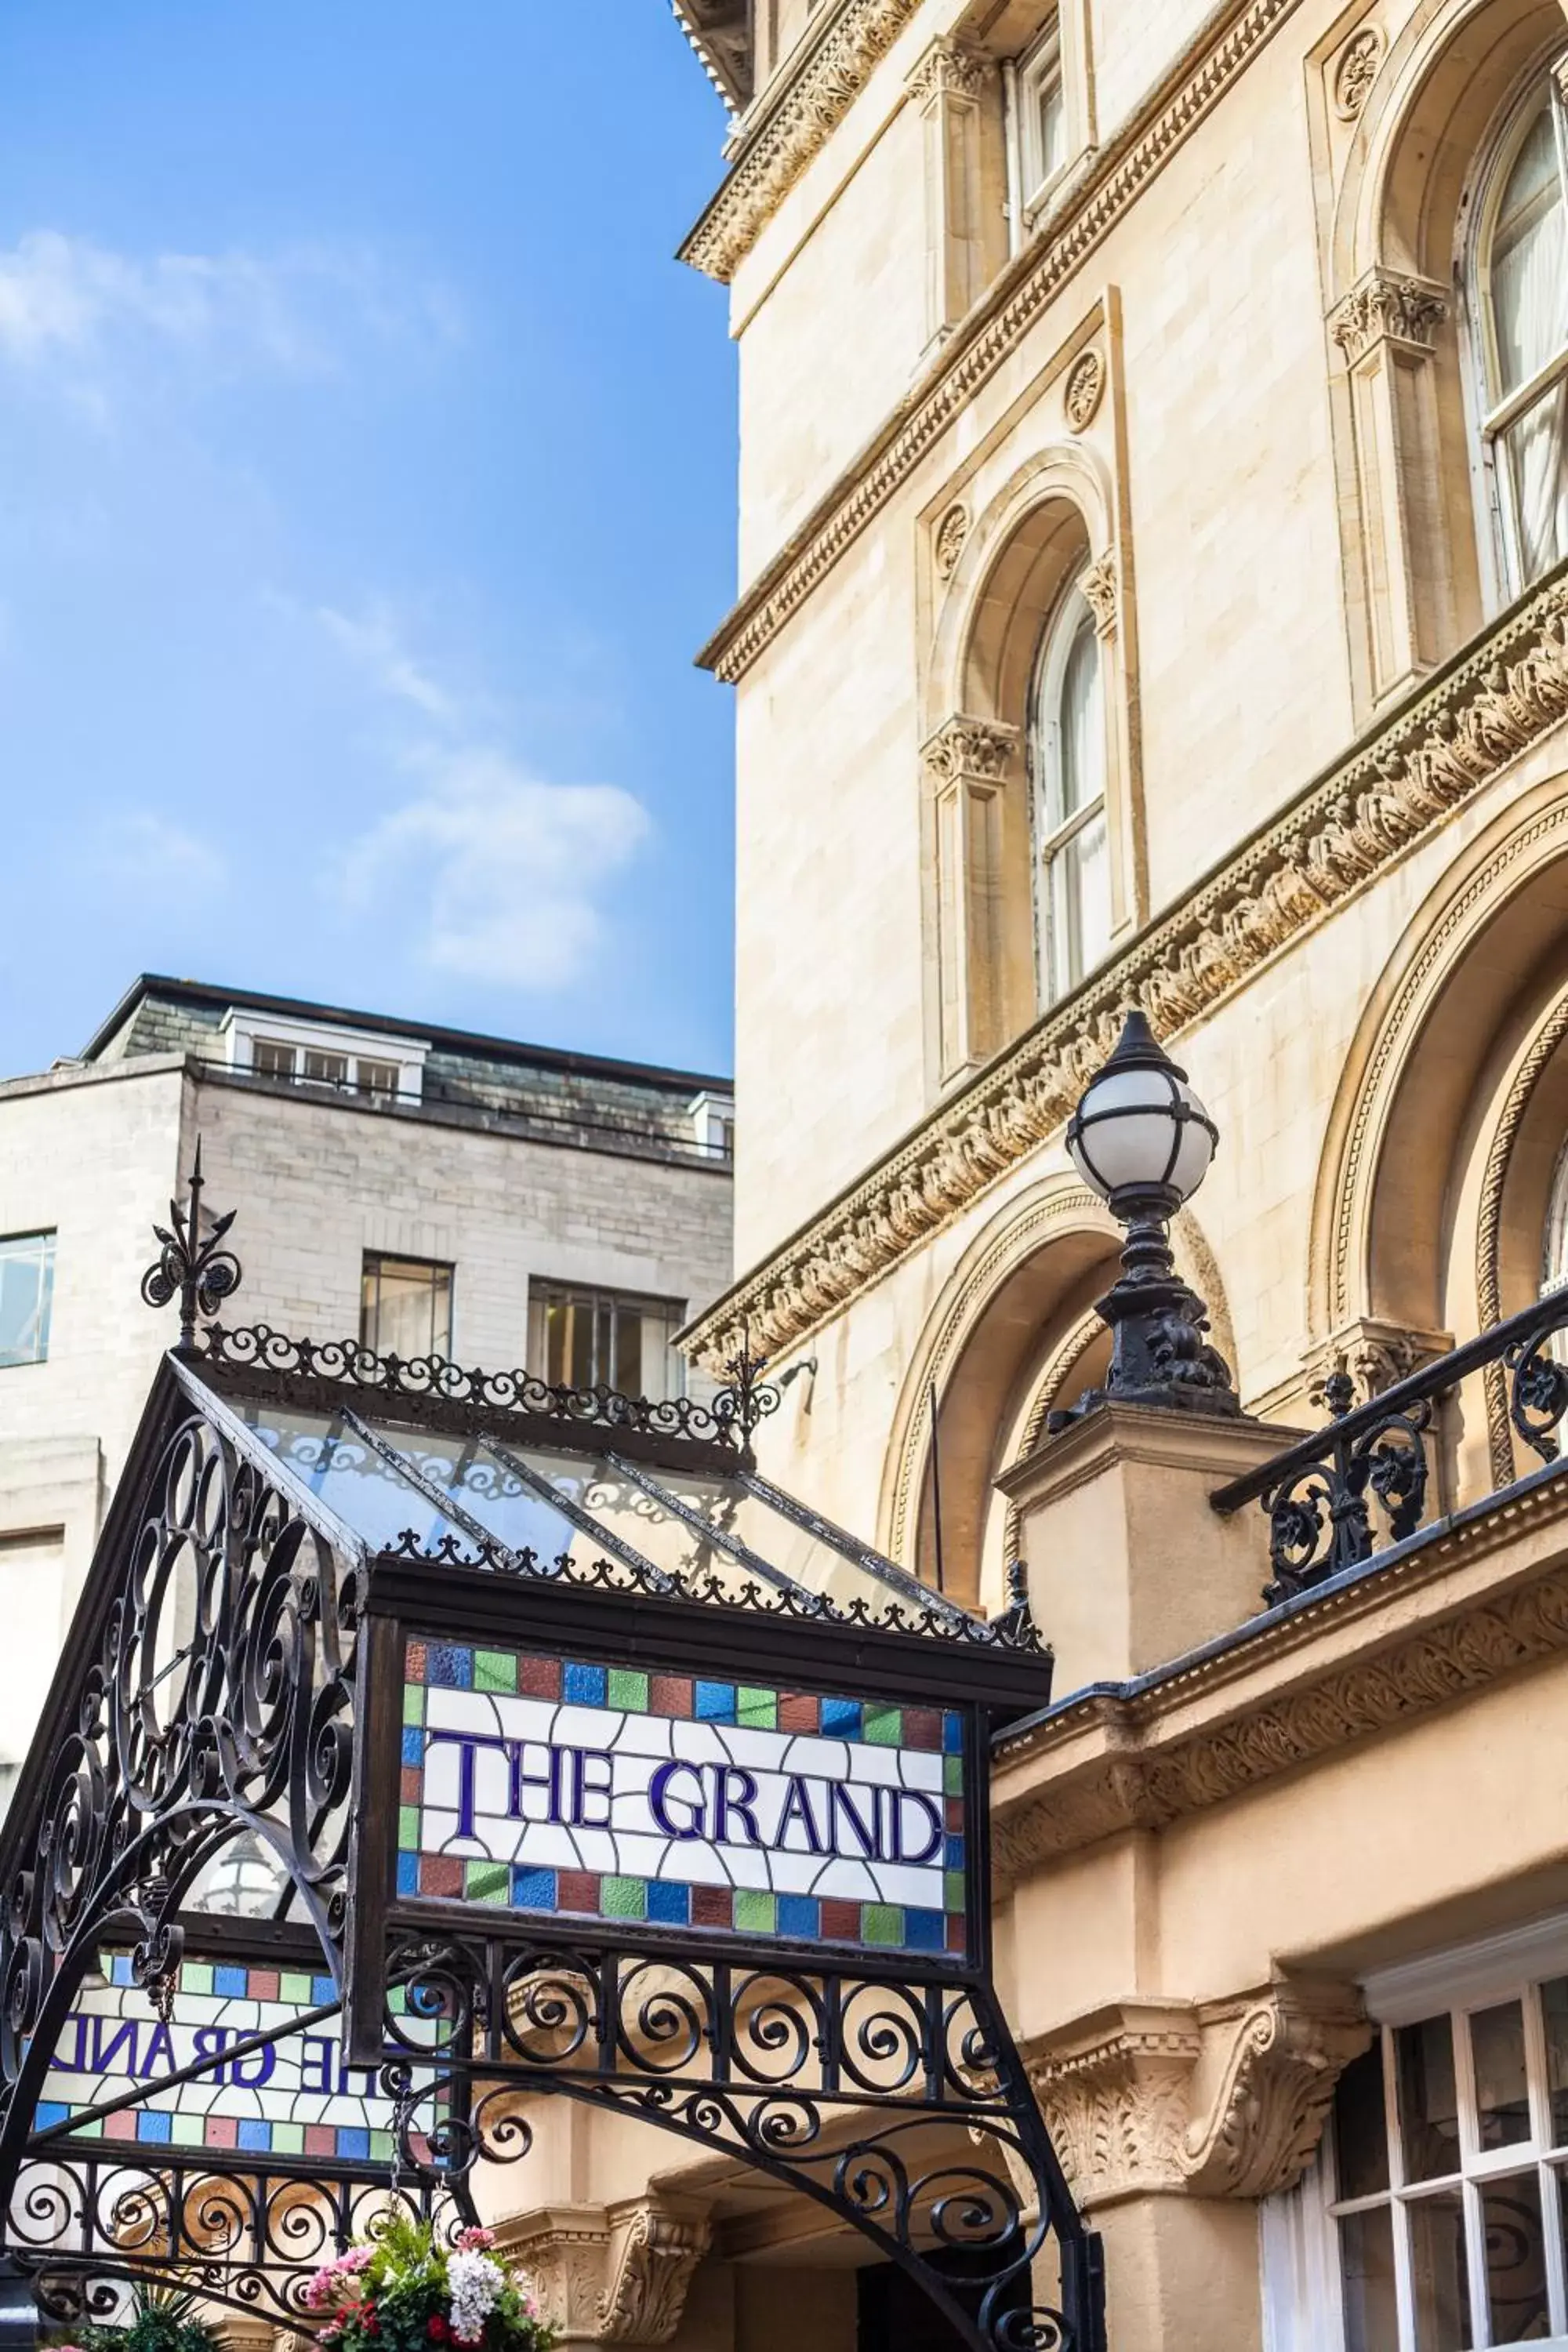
[[366, 468]]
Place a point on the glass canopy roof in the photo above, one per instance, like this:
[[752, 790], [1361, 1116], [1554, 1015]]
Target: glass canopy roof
[[495, 1497]]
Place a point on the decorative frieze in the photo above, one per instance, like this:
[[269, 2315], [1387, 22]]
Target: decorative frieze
[[951, 68], [1383, 307], [1399, 785]]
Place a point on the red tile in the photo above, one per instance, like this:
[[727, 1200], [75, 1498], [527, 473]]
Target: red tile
[[538, 1678], [956, 1931], [952, 1815], [922, 1726], [713, 1906], [440, 1873], [798, 1711], [578, 1890], [411, 1785], [841, 1922], [120, 2127], [263, 1984], [321, 2139], [670, 1695], [221, 2131], [413, 1661]]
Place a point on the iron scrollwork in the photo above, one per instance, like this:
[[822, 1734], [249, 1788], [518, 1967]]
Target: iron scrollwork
[[1321, 1518], [190, 1266]]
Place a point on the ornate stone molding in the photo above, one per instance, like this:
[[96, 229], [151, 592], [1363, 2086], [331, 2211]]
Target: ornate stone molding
[[947, 540], [1356, 72], [1119, 2091], [614, 2274], [1399, 784], [1101, 594], [1067, 237], [773, 156], [951, 68], [1084, 391], [969, 747], [1371, 1354], [1383, 307]]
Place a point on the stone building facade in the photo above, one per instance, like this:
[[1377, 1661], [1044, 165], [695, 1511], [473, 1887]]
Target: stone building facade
[[1152, 517], [413, 1187]]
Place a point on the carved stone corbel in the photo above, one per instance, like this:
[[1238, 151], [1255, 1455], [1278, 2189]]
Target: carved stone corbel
[[610, 2274], [1370, 1354], [1225, 2099]]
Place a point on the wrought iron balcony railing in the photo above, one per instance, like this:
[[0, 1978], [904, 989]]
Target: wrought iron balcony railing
[[1473, 1426]]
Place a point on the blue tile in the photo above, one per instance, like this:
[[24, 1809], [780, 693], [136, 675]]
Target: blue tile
[[925, 1931], [323, 1990], [800, 1915], [841, 1718], [450, 1665], [351, 2142], [536, 1890], [715, 1702], [254, 2134], [47, 2112], [151, 2125], [413, 1744], [230, 1984], [407, 1879], [668, 1903], [953, 1852], [584, 1685], [120, 1971], [953, 1735]]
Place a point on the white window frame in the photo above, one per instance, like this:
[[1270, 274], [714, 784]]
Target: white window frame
[[1301, 2281], [1051, 833], [242, 1032], [547, 1290], [1045, 62], [1489, 417], [713, 1123], [46, 1236]]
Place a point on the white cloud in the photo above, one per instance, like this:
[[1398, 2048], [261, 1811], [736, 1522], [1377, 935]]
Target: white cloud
[[506, 869], [62, 298], [141, 849], [374, 644]]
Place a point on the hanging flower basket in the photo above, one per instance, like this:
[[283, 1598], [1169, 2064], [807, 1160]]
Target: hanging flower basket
[[401, 2292]]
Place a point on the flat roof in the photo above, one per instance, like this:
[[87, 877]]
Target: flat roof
[[454, 1041]]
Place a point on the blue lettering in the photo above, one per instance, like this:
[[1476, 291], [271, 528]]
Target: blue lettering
[[316, 2052], [159, 2046], [103, 2057], [897, 1839], [661, 1795], [864, 1826], [262, 2060], [211, 2041], [734, 1792], [797, 1807], [469, 1744], [76, 2062], [582, 1788]]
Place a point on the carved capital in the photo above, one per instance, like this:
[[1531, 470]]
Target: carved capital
[[979, 748], [1099, 584], [1172, 2099], [1370, 1355], [1384, 308], [951, 68], [610, 2274]]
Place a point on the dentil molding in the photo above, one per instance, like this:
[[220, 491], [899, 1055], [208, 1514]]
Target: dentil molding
[[1181, 2099], [1396, 788], [611, 2274]]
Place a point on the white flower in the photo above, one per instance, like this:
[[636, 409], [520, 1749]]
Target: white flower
[[474, 2282]]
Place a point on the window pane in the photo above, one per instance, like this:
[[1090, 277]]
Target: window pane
[[271, 1059], [1536, 466], [596, 1338], [627, 1375], [1555, 2010], [1439, 2276], [1502, 2094], [1080, 905], [1528, 258], [407, 1307], [1051, 125], [1366, 2279], [1361, 2126], [328, 1069], [376, 1077], [350, 1477], [1516, 2259], [1428, 2105], [27, 1292], [1081, 724]]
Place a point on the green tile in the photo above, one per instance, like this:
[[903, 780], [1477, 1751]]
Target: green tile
[[883, 1727], [397, 2000], [294, 1985], [954, 1894], [756, 1913], [288, 2139], [197, 1976], [757, 1709], [413, 1702], [628, 1690], [624, 1898], [382, 2146], [88, 2131], [495, 1670], [485, 1882], [186, 2131], [408, 1829], [881, 1923], [952, 1775]]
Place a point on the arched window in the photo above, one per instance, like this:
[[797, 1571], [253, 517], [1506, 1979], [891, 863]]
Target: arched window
[[1066, 774], [1521, 296]]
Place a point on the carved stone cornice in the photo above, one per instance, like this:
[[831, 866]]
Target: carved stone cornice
[[982, 748], [1121, 2092], [772, 157], [1383, 307], [1069, 235], [951, 68], [1399, 784], [616, 2274]]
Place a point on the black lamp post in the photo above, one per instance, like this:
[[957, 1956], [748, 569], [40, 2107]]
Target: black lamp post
[[1142, 1140]]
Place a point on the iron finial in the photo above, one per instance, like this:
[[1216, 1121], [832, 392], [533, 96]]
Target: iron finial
[[189, 1267]]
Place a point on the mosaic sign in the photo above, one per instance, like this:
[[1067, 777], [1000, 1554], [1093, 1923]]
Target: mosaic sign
[[545, 1785], [291, 2097]]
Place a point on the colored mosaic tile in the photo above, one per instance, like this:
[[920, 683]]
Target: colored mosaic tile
[[668, 1903], [538, 1678], [408, 1828], [841, 1719], [952, 1775], [624, 1898], [231, 1984], [957, 1932], [628, 1689], [289, 2139], [924, 1931], [756, 1913], [579, 1890], [882, 1923], [534, 1890], [800, 1915], [883, 1727], [197, 1976], [414, 1661], [292, 1986], [954, 1892], [414, 1702], [798, 1711], [758, 1710], [485, 1882], [714, 1702], [495, 1670], [441, 1875], [953, 1734], [710, 1907], [263, 1984], [221, 2131], [584, 1685], [670, 1695], [923, 1727], [450, 1666], [840, 1922]]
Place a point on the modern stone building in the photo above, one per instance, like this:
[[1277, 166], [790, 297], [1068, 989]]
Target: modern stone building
[[1152, 517], [418, 1190]]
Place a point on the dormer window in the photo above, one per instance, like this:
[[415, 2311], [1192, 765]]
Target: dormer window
[[713, 1124], [313, 1053]]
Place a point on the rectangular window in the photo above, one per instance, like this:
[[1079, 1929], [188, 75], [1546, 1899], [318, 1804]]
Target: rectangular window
[[1042, 117], [26, 1293], [405, 1307], [377, 1079], [270, 1059], [326, 1069], [1448, 2169], [605, 1338]]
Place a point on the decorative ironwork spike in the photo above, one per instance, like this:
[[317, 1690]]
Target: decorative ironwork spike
[[190, 1266]]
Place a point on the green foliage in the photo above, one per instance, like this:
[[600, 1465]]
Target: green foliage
[[162, 2320]]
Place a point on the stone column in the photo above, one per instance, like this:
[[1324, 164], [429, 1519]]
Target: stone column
[[954, 87], [967, 763], [1386, 327]]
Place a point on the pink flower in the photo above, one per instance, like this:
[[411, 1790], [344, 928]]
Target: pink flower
[[475, 2237]]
